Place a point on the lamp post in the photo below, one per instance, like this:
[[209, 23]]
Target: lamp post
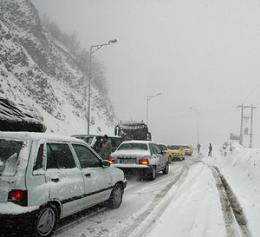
[[92, 50], [148, 98], [197, 123]]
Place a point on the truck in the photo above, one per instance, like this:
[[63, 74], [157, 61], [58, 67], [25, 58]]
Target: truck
[[133, 130]]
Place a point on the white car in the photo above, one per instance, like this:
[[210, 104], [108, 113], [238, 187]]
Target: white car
[[44, 178], [145, 156]]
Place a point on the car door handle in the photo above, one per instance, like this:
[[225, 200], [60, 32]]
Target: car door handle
[[55, 180], [87, 174]]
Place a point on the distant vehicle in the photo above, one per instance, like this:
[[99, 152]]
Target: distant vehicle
[[188, 150], [133, 131], [20, 117], [144, 156], [45, 178], [95, 141], [163, 147], [175, 152]]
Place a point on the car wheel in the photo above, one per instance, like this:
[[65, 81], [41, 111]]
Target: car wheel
[[46, 220], [166, 169], [116, 197], [153, 173]]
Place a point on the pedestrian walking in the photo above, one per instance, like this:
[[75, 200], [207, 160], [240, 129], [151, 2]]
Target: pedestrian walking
[[210, 150], [198, 148], [106, 148]]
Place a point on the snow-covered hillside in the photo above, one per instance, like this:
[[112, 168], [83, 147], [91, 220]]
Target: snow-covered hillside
[[35, 69]]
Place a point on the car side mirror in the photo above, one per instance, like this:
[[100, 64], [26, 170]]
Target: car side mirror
[[105, 163]]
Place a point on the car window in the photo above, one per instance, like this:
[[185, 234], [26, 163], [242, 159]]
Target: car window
[[39, 159], [153, 151], [9, 153], [86, 157], [133, 146], [59, 156], [157, 149], [174, 147]]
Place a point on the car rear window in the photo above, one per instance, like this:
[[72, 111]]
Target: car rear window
[[9, 153], [174, 147], [133, 146]]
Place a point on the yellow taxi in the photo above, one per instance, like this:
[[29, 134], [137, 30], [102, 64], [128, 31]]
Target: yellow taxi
[[188, 150], [175, 152]]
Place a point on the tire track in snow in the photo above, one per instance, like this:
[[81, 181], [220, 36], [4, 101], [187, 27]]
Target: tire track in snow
[[232, 210], [74, 220], [133, 229], [86, 215]]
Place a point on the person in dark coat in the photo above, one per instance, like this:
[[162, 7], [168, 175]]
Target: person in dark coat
[[106, 148], [210, 150]]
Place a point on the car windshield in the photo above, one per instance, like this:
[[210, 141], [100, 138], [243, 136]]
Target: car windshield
[[174, 147], [9, 153], [133, 146]]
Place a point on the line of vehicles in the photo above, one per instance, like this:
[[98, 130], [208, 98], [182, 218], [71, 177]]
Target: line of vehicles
[[46, 177]]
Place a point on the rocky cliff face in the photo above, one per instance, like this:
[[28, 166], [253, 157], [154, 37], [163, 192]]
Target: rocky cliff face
[[37, 70]]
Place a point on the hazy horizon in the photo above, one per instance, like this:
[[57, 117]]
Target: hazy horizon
[[198, 54]]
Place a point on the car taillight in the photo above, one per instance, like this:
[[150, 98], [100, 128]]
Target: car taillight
[[111, 160], [144, 162], [18, 196]]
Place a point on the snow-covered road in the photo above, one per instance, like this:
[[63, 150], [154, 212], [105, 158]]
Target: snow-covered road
[[189, 201]]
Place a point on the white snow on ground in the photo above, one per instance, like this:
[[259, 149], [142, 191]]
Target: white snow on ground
[[184, 203], [241, 168], [194, 210]]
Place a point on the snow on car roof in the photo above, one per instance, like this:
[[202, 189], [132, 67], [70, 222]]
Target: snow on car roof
[[94, 135], [37, 136], [138, 141]]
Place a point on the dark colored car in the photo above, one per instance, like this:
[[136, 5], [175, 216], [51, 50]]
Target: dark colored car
[[95, 141]]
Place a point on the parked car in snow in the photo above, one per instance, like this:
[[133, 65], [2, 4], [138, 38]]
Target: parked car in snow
[[44, 178], [141, 155], [95, 141], [175, 152]]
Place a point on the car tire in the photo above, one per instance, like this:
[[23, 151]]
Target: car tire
[[153, 173], [166, 169], [116, 197], [45, 221]]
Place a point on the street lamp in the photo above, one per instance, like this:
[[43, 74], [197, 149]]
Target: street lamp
[[198, 125], [92, 50], [148, 98]]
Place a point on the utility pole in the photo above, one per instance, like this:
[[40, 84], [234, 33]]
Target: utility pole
[[243, 107], [251, 126], [92, 50], [241, 124]]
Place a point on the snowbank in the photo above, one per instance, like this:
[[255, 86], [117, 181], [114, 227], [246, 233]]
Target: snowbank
[[241, 168]]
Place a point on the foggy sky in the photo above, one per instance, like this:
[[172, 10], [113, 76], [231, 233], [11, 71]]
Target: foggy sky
[[201, 54]]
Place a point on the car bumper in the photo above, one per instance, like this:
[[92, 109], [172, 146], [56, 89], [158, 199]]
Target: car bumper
[[130, 166]]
